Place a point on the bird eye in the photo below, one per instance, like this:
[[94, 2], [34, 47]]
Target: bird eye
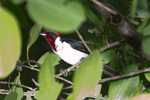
[[50, 33]]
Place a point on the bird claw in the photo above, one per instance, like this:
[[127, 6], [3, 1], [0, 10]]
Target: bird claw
[[64, 73], [75, 68]]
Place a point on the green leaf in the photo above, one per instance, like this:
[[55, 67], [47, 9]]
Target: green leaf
[[146, 30], [44, 57], [145, 44], [143, 25], [124, 89], [17, 2], [56, 15], [92, 13], [122, 8], [147, 75], [17, 11], [134, 7], [11, 96], [49, 89], [10, 42], [34, 34], [18, 90], [146, 65], [143, 8], [87, 76], [106, 55]]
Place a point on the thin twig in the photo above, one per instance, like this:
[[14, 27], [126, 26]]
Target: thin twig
[[67, 81], [139, 17], [32, 68], [31, 61], [104, 7], [68, 87], [65, 93], [125, 75], [68, 69], [132, 21], [81, 38], [110, 45], [5, 92], [36, 83], [97, 97], [20, 85], [8, 83]]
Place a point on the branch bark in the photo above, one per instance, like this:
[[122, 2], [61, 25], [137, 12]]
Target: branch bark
[[121, 24], [125, 75]]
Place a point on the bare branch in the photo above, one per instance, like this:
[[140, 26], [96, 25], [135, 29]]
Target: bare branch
[[97, 97], [67, 81], [65, 93], [5, 92], [20, 85], [68, 87], [139, 17], [32, 68], [31, 61], [83, 41], [110, 45], [68, 69], [36, 83], [105, 7], [125, 75]]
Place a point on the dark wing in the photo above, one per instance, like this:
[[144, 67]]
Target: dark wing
[[76, 45]]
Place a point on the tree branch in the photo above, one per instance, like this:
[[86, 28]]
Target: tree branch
[[5, 92], [31, 61], [125, 75], [110, 45], [20, 85], [83, 41], [58, 77], [97, 97], [68, 69]]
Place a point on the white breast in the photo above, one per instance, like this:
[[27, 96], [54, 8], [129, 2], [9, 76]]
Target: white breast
[[67, 53]]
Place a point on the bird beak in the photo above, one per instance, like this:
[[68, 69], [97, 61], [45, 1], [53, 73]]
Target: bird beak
[[43, 34]]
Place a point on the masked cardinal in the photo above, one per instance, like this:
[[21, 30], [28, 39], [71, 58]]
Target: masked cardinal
[[70, 50]]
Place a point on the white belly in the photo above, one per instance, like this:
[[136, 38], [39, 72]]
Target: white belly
[[68, 54]]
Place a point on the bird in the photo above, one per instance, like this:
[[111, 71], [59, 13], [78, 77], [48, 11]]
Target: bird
[[70, 51]]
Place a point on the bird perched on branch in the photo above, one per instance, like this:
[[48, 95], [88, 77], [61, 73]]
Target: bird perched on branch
[[70, 50]]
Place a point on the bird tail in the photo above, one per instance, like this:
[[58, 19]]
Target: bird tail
[[111, 72]]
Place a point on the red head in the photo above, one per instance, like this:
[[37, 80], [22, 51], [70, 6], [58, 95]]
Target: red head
[[50, 36]]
